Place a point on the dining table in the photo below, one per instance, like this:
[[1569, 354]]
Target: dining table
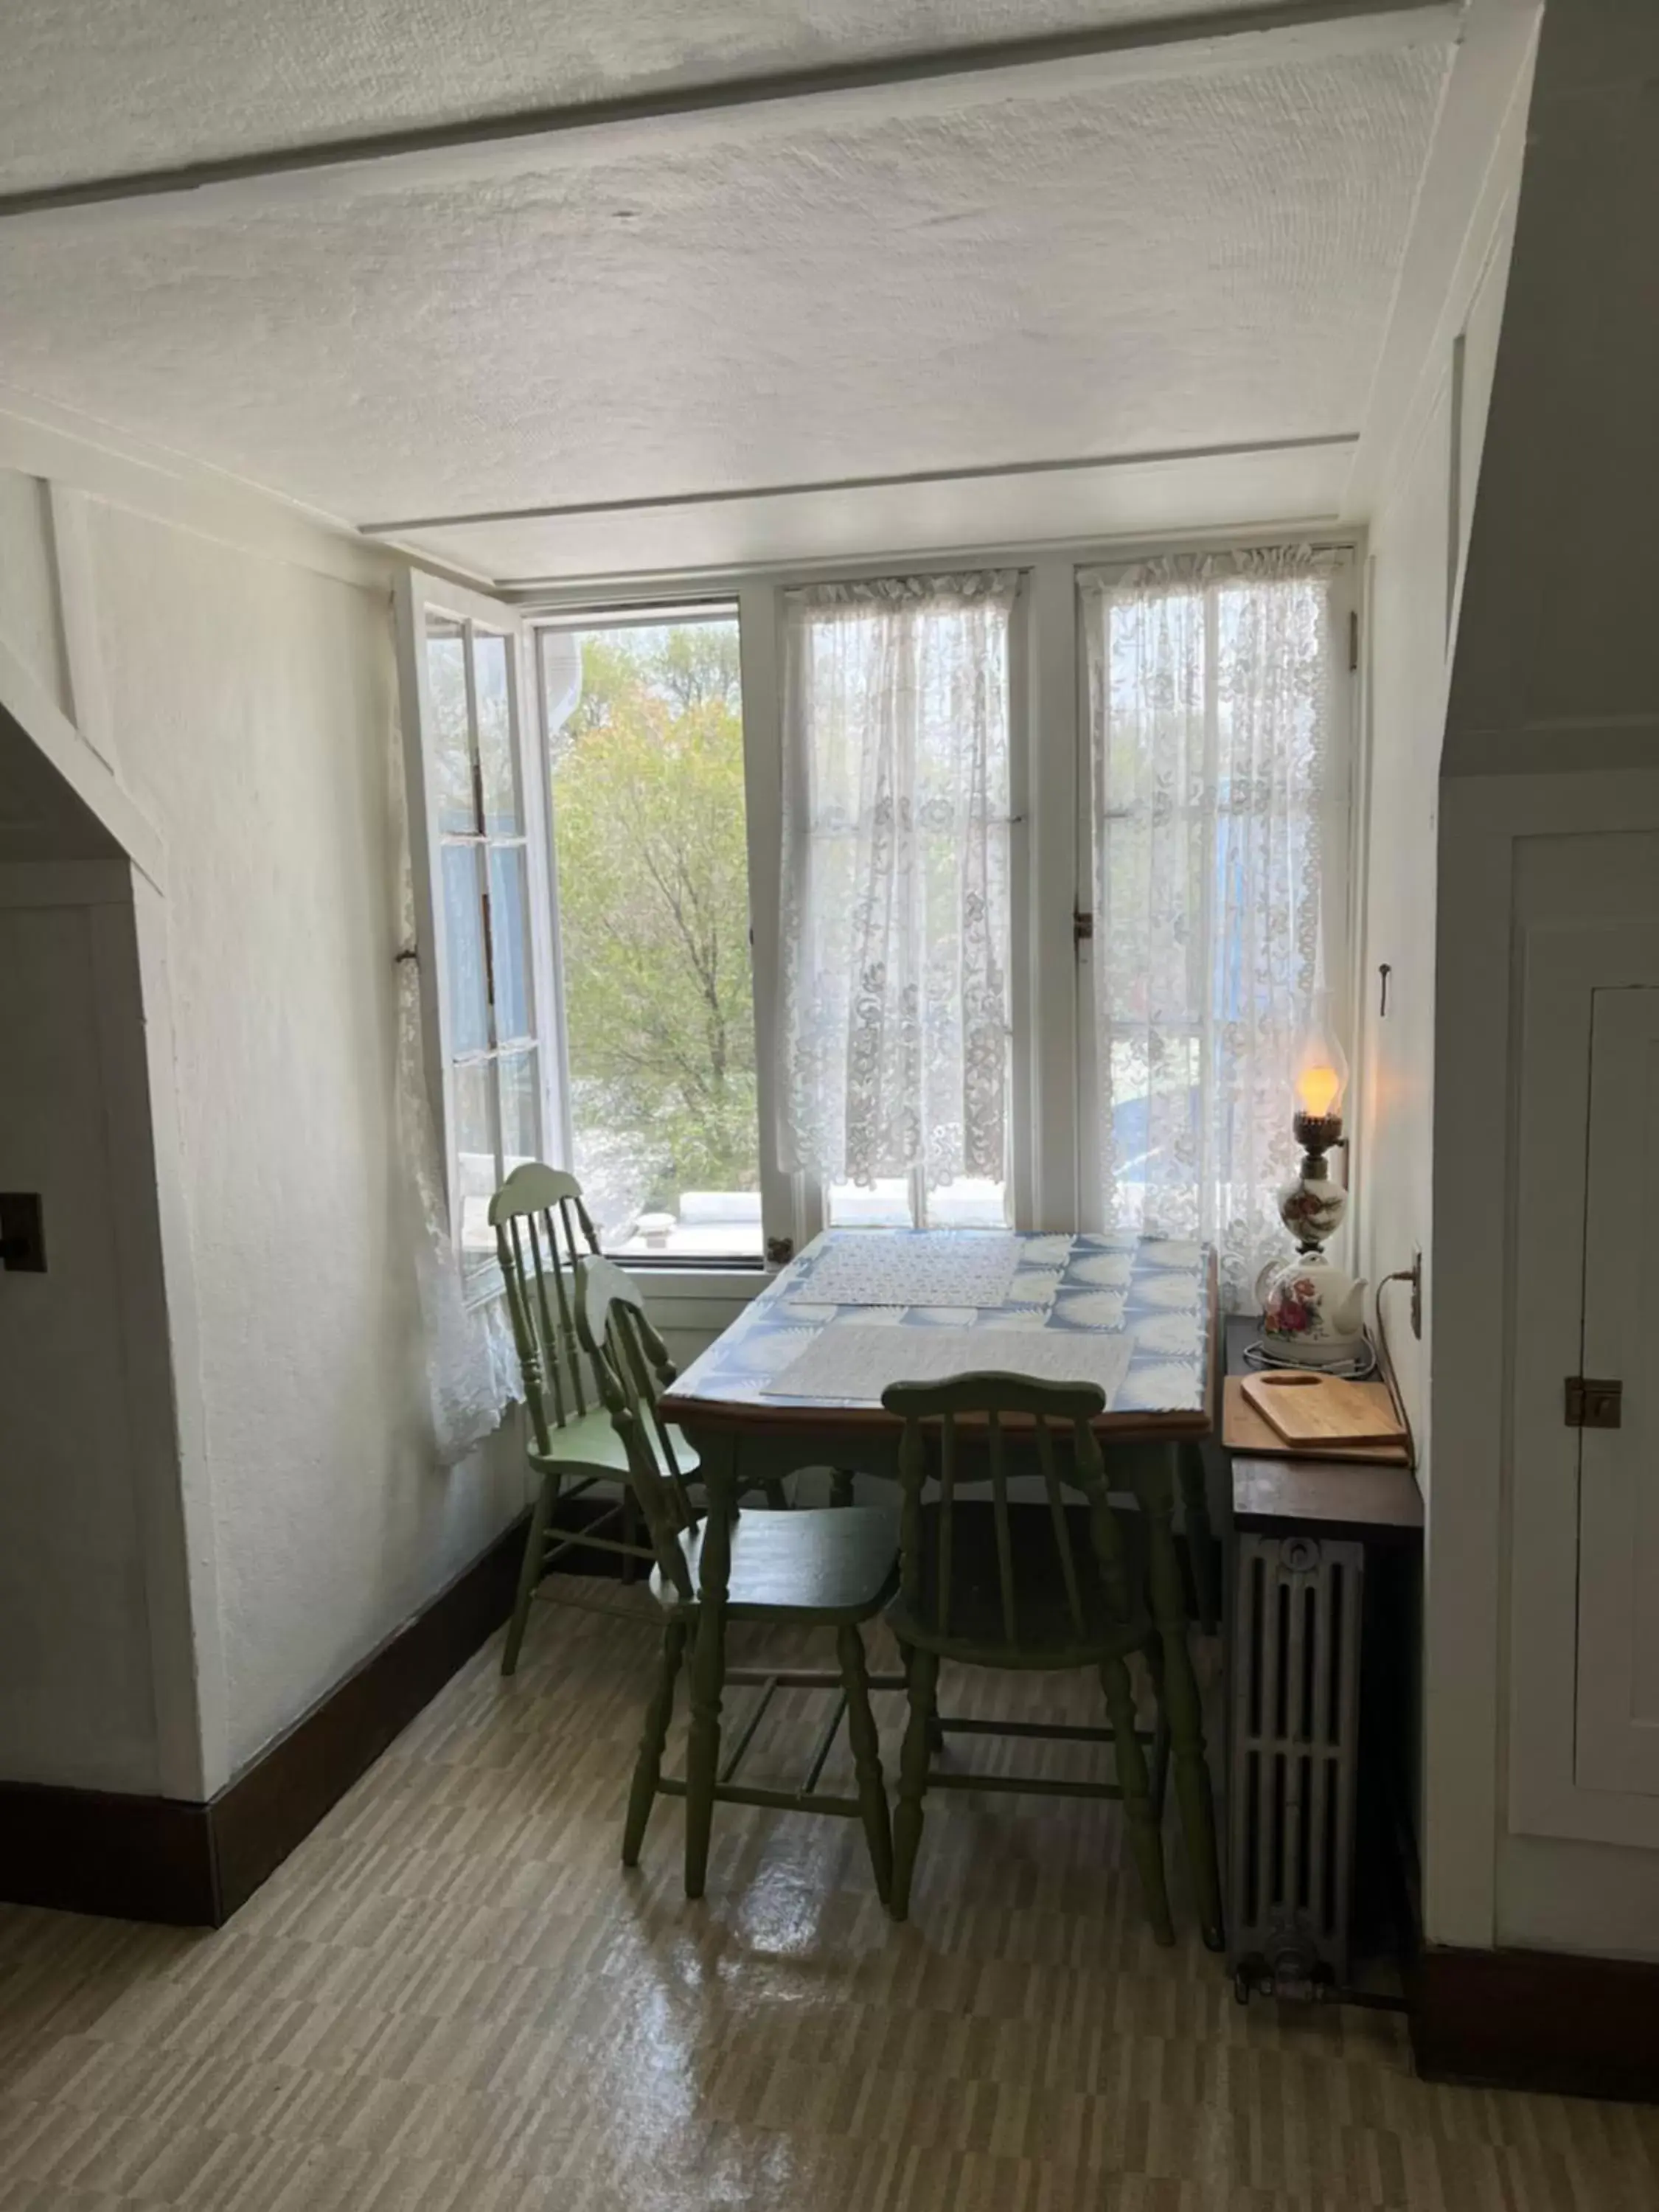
[[796, 1381]]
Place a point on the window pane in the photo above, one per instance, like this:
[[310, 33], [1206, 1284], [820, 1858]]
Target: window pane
[[969, 1202], [653, 920], [897, 917], [491, 675], [885, 1205], [468, 1007], [446, 676], [475, 1163], [521, 1110], [509, 931]]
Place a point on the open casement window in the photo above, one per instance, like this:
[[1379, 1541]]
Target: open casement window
[[477, 848]]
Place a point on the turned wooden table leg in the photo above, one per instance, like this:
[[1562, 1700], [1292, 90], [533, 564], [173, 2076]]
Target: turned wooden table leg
[[1202, 1549], [707, 1672], [1182, 1703]]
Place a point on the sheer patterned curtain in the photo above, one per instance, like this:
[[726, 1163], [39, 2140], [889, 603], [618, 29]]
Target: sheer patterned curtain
[[468, 1360], [1220, 762], [894, 1020]]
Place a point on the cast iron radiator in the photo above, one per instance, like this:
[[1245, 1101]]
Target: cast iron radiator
[[1295, 1696]]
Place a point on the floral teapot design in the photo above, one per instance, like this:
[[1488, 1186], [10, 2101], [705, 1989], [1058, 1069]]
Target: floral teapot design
[[1312, 1313]]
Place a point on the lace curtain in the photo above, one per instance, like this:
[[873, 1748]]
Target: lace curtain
[[466, 1353], [895, 900], [1220, 771]]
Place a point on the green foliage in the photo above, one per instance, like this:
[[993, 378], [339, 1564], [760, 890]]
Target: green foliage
[[654, 907]]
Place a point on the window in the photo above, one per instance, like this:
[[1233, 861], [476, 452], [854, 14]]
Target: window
[[1219, 758], [896, 1018], [473, 819], [647, 767], [759, 915]]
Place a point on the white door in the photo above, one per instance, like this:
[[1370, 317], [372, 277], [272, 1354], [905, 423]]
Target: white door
[[1616, 1735]]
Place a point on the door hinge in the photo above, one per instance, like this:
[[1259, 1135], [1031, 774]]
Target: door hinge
[[1594, 1404], [1082, 928]]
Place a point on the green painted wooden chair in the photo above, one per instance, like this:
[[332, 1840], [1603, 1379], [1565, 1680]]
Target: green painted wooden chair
[[1049, 1586], [831, 1567], [542, 1228]]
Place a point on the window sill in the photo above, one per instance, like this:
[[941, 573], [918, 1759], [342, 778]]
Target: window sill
[[738, 1284]]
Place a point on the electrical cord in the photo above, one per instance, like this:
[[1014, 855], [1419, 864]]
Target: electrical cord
[[1399, 1275], [1257, 1354]]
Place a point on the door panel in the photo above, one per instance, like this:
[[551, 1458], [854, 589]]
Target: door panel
[[1618, 1693]]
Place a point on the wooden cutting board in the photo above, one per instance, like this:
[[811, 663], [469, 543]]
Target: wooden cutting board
[[1312, 1413]]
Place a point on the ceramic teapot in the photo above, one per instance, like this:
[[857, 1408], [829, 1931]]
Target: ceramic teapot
[[1312, 1313]]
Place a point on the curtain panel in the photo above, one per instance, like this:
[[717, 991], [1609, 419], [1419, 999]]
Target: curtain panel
[[1219, 758], [895, 913]]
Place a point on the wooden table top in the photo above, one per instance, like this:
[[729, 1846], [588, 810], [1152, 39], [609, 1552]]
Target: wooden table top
[[1158, 1293]]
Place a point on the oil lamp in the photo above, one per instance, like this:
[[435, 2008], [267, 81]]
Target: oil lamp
[[1312, 1312]]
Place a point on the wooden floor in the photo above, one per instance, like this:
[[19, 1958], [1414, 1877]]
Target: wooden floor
[[453, 1997]]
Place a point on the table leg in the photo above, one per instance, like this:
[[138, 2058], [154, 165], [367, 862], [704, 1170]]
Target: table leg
[[1193, 1798], [707, 1672], [1201, 1546]]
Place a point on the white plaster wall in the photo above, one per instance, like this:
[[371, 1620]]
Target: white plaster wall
[[254, 703], [1418, 543], [1407, 707], [28, 593]]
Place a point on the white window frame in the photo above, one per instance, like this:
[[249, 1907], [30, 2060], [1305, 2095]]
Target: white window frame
[[418, 596], [1052, 1174]]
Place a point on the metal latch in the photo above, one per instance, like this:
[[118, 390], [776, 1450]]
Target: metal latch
[[1083, 927], [1593, 1404]]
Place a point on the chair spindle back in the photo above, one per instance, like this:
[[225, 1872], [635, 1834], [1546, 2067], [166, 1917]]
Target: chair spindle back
[[542, 1229], [934, 1412], [632, 1368]]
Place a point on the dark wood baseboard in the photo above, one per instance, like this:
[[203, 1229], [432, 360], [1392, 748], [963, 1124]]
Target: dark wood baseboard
[[191, 1864], [278, 1798], [1544, 2021], [92, 1851]]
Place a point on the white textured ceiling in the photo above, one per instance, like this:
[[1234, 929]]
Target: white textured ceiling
[[97, 87], [1188, 261]]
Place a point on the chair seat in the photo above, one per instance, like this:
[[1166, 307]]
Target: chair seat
[[590, 1444], [1045, 1633], [828, 1564]]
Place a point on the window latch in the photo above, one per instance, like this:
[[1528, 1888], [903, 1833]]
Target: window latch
[[1594, 1404], [1082, 928]]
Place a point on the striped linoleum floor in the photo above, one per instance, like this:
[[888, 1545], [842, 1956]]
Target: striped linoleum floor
[[453, 1998]]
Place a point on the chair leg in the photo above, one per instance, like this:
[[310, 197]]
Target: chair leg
[[647, 1768], [923, 1671], [935, 1727], [630, 1529], [1193, 1798], [1144, 1838], [1153, 1656], [867, 1757], [530, 1569], [841, 1486]]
